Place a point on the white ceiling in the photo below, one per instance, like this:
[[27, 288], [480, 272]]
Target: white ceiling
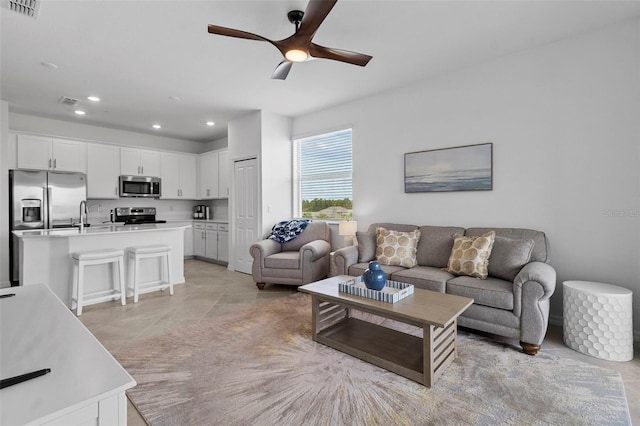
[[136, 55]]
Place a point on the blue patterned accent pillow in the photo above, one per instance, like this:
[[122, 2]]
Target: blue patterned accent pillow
[[288, 230]]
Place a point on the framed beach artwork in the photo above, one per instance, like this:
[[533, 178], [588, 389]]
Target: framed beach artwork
[[462, 168]]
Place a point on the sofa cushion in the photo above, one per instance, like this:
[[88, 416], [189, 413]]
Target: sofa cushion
[[492, 292], [425, 277], [508, 256], [283, 260], [358, 269], [540, 251], [391, 226], [366, 246], [397, 248], [434, 247], [470, 255]]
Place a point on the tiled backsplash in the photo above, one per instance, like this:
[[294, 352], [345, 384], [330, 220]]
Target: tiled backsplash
[[98, 210]]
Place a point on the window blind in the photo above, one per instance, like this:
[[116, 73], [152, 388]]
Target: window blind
[[323, 167]]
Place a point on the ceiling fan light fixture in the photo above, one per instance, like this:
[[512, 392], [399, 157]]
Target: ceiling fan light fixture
[[296, 55]]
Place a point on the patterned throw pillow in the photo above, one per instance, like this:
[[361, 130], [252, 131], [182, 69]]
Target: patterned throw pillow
[[397, 248], [470, 255]]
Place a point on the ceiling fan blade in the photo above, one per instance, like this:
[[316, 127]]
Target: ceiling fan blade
[[282, 70], [316, 12], [230, 32], [339, 55]]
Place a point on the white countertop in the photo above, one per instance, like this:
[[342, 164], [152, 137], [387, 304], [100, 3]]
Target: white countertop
[[37, 331], [98, 230]]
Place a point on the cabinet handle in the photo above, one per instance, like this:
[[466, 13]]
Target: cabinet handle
[[49, 162], [55, 163], [142, 168]]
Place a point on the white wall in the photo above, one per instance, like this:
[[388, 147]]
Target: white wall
[[86, 132], [276, 151], [564, 121]]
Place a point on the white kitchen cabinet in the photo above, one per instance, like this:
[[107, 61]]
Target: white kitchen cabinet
[[139, 162], [46, 153], [199, 235], [223, 242], [103, 168], [178, 176], [209, 180], [214, 174], [223, 174], [211, 241]]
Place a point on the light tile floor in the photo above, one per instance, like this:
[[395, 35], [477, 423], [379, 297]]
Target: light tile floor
[[211, 290]]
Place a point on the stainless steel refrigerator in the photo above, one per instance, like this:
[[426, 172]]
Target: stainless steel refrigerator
[[43, 200]]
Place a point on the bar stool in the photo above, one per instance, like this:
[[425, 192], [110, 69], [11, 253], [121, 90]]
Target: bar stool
[[134, 255], [81, 260]]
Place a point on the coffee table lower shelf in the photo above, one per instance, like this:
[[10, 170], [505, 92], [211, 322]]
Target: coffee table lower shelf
[[395, 351]]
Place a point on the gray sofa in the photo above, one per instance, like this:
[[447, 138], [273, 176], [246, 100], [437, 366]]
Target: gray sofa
[[514, 299]]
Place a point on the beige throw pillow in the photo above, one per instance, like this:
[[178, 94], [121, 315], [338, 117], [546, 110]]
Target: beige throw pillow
[[397, 248], [470, 255]]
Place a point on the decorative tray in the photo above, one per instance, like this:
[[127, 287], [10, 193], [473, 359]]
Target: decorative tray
[[392, 292]]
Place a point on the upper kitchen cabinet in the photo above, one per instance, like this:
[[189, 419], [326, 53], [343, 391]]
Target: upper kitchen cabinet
[[223, 174], [209, 180], [46, 153], [139, 162], [214, 174], [103, 168], [178, 176]]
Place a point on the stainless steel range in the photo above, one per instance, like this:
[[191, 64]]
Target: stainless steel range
[[136, 215]]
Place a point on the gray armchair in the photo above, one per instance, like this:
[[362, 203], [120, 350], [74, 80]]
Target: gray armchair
[[302, 260]]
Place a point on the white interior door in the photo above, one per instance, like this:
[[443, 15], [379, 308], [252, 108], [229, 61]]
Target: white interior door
[[246, 199]]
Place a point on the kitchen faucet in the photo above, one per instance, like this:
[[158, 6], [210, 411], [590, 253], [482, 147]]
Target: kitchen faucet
[[83, 210]]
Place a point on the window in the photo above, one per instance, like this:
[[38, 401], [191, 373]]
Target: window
[[322, 170]]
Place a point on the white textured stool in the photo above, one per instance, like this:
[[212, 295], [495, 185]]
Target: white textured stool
[[598, 319], [83, 259], [135, 254]]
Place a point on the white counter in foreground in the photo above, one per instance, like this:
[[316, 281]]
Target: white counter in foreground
[[86, 384], [45, 255]]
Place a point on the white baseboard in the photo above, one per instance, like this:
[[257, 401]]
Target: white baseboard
[[5, 284]]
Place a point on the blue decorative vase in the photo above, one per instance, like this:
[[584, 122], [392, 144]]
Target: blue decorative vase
[[374, 277]]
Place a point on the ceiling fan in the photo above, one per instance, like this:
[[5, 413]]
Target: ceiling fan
[[299, 47]]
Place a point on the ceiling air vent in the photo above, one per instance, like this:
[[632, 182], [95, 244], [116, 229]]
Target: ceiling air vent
[[65, 100], [24, 7]]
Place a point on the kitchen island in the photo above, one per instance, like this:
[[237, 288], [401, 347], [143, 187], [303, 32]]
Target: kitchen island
[[45, 255]]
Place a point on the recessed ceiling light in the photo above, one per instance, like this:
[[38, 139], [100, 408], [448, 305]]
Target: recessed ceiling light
[[49, 65], [79, 112], [157, 126], [210, 123], [93, 98], [174, 98]]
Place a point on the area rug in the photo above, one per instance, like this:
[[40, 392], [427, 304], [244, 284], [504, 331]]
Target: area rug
[[260, 367]]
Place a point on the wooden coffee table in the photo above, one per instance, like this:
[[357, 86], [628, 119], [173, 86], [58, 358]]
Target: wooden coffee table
[[420, 359]]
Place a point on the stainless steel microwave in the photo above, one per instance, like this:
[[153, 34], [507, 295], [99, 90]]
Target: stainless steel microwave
[[140, 186]]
